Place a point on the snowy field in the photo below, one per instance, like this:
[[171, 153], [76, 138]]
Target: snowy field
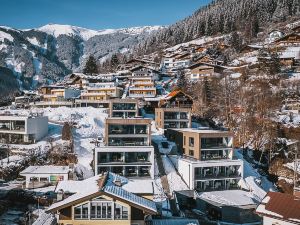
[[89, 125]]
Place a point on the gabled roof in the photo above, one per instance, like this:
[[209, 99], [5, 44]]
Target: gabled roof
[[280, 206], [102, 185], [142, 66], [173, 94]]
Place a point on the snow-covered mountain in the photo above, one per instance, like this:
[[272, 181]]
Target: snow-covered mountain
[[85, 34], [48, 53]]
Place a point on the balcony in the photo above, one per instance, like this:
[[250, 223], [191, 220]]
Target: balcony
[[127, 129], [123, 157], [216, 185], [128, 141], [12, 126], [124, 107], [217, 172], [210, 143]]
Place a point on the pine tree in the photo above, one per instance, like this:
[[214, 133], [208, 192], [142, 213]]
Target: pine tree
[[91, 66], [182, 82], [114, 61]]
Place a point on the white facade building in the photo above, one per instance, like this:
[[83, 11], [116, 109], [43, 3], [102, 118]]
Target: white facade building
[[22, 129], [128, 161], [212, 174], [39, 176]]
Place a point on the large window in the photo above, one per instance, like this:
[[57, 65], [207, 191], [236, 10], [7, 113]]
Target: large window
[[124, 141], [81, 211], [121, 212], [101, 209], [215, 142]]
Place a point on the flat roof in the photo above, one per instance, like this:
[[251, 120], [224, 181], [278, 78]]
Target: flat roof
[[46, 170], [124, 148], [203, 131], [229, 198]]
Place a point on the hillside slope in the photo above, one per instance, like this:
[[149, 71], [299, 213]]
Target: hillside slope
[[50, 52]]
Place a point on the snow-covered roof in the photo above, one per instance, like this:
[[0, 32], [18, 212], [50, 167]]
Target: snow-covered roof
[[139, 186], [109, 187], [130, 197], [46, 170], [229, 198]]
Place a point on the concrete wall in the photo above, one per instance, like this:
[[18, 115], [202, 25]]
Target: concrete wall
[[185, 169], [37, 126]]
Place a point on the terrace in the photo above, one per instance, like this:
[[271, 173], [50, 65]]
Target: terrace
[[127, 171], [125, 141], [12, 125], [216, 185], [127, 129], [217, 172], [220, 142], [123, 157], [124, 106]]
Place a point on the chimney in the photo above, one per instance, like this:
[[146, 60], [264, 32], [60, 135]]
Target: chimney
[[60, 195], [118, 182]]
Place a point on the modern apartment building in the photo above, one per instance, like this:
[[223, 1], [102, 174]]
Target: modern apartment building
[[61, 94], [145, 71], [127, 149], [101, 91], [22, 129], [173, 118], [207, 161], [125, 108], [142, 87], [174, 111]]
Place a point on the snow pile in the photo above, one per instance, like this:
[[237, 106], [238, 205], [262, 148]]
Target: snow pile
[[174, 180]]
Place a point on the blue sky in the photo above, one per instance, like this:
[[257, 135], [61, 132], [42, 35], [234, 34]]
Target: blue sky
[[95, 14]]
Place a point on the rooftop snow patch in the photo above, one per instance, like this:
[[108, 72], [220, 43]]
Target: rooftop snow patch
[[46, 170], [229, 197]]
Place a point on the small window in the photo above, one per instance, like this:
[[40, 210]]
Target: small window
[[184, 138], [191, 142], [191, 152]]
